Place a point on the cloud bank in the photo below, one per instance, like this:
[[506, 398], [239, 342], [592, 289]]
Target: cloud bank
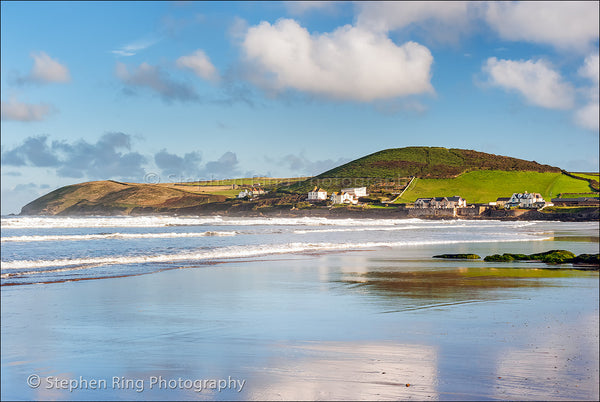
[[565, 25], [350, 63], [109, 157], [112, 157]]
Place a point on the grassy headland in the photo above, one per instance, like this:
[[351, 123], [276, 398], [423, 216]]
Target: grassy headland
[[478, 177], [111, 197], [431, 171]]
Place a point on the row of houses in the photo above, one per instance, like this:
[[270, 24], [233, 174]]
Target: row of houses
[[251, 193], [441, 202], [519, 200], [344, 196]]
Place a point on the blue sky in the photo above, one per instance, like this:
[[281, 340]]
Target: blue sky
[[199, 90]]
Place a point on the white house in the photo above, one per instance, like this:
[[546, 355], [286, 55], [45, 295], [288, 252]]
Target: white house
[[356, 191], [441, 202], [448, 202], [423, 202], [343, 198], [318, 194], [254, 192], [526, 200]]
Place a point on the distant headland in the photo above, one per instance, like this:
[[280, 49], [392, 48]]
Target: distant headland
[[424, 182]]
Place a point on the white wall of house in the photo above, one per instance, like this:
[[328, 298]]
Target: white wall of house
[[526, 200], [356, 191], [343, 198], [317, 195]]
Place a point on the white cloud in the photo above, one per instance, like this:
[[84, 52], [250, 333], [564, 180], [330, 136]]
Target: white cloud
[[134, 47], [45, 70], [590, 68], [200, 64], [349, 63], [19, 111], [302, 7], [535, 80], [442, 20], [587, 116], [568, 25]]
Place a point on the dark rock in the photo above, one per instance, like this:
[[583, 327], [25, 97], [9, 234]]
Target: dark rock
[[458, 256]]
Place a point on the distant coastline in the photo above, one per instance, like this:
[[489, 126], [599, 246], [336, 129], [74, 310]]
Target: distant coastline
[[411, 182], [587, 214]]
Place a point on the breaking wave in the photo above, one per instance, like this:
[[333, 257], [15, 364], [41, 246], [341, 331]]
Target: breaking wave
[[230, 252], [102, 236]]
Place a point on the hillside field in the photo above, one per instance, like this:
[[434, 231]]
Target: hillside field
[[487, 185]]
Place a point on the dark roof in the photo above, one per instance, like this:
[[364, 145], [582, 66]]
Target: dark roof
[[578, 199], [502, 198]]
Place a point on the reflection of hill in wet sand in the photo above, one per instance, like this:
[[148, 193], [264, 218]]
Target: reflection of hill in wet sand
[[449, 286]]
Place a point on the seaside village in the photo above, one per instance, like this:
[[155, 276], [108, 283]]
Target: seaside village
[[352, 195], [448, 205]]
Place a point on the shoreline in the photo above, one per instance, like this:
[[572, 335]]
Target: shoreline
[[587, 214]]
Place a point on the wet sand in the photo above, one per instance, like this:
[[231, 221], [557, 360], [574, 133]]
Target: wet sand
[[387, 324]]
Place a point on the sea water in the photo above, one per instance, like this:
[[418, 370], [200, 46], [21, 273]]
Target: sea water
[[49, 249], [295, 308]]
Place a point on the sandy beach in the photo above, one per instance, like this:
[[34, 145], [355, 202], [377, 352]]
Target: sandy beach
[[382, 324]]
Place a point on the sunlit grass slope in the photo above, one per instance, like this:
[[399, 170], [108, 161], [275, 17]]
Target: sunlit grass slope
[[488, 185]]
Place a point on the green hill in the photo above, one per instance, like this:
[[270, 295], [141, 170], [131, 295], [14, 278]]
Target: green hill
[[476, 176], [430, 162]]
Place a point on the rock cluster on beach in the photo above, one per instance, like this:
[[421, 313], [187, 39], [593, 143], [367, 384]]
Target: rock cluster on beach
[[548, 257]]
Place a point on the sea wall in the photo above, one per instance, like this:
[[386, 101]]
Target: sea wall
[[431, 212]]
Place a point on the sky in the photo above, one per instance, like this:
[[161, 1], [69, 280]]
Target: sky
[[181, 91]]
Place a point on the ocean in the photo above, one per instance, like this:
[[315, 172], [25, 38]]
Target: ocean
[[158, 307]]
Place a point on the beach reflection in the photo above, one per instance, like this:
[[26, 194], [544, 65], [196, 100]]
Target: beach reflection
[[421, 288], [349, 371]]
